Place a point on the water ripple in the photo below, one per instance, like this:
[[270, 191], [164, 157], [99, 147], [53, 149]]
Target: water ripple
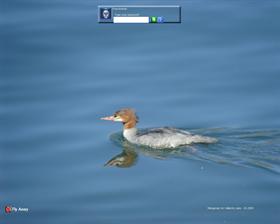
[[243, 147]]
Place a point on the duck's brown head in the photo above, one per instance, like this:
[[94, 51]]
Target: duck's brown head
[[127, 116]]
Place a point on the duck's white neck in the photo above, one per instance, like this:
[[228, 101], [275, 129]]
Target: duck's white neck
[[130, 133]]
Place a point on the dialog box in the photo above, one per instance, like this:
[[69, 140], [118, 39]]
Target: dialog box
[[139, 14]]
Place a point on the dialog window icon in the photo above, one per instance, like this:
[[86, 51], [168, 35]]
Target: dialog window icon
[[153, 19], [105, 13], [160, 19]]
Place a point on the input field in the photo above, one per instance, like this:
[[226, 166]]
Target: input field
[[128, 19]]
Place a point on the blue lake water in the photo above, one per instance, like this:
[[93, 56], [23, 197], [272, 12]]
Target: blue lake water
[[217, 74]]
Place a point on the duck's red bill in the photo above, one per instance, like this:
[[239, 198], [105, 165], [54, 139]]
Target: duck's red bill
[[110, 118]]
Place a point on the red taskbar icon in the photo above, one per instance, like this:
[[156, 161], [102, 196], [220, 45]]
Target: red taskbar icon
[[8, 209]]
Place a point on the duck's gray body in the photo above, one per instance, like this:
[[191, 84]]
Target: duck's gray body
[[164, 137]]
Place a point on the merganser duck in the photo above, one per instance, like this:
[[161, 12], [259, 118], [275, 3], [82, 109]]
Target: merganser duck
[[159, 138]]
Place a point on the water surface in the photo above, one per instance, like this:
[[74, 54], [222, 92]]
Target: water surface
[[216, 74]]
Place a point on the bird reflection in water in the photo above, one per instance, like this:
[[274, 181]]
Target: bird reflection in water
[[129, 156]]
